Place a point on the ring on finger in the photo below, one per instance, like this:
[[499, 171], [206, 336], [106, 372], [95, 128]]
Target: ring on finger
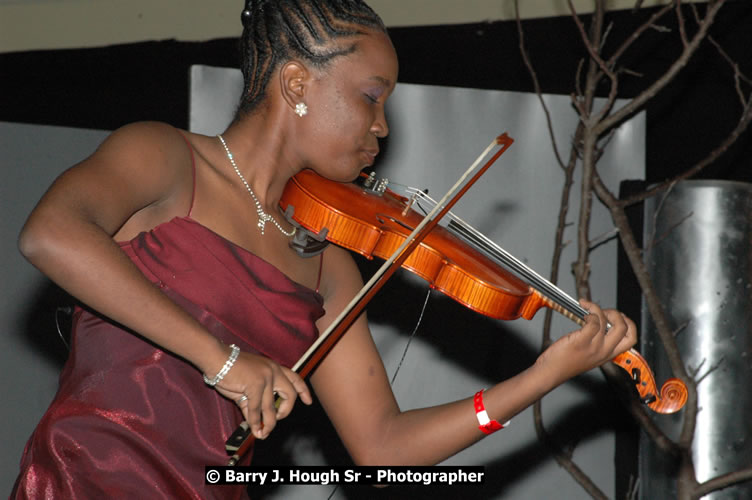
[[242, 398]]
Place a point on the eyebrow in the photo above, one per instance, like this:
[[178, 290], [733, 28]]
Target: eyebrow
[[381, 79]]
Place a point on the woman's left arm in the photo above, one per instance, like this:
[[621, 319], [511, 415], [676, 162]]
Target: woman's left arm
[[352, 385]]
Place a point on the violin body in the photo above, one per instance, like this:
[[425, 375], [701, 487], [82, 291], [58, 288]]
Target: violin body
[[375, 224]]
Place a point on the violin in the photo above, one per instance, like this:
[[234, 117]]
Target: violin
[[372, 220], [456, 260]]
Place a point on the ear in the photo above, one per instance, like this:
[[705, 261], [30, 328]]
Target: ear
[[294, 79]]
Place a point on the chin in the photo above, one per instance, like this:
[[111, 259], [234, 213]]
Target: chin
[[350, 172], [357, 174], [342, 171], [346, 176]]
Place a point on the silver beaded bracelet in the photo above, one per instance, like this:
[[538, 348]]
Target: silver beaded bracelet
[[226, 368]]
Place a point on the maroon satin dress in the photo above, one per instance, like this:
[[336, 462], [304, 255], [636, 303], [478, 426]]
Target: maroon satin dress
[[132, 421]]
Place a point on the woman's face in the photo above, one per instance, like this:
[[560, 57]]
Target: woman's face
[[346, 109]]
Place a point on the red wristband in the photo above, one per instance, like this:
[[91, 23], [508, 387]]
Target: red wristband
[[486, 425]]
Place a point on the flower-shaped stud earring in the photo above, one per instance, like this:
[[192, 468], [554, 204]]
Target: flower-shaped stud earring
[[301, 109]]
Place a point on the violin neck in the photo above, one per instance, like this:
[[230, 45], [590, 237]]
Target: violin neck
[[560, 301]]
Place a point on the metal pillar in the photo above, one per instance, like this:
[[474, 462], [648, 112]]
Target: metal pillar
[[698, 241]]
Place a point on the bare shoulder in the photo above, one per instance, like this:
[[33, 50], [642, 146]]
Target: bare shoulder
[[134, 178], [144, 146], [153, 162]]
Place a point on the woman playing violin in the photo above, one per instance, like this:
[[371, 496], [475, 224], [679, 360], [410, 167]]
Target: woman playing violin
[[196, 305]]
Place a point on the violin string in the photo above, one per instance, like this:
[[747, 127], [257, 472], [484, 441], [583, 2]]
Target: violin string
[[496, 252], [487, 246]]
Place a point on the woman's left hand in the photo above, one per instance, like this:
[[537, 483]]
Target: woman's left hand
[[590, 346]]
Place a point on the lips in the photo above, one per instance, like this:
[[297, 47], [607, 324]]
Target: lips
[[370, 155]]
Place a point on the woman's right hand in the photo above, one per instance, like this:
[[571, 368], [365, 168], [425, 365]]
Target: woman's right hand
[[141, 176], [263, 381]]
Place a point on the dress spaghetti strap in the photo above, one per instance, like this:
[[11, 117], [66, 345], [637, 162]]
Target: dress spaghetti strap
[[193, 170]]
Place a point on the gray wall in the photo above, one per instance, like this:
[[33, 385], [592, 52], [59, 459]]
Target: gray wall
[[31, 352]]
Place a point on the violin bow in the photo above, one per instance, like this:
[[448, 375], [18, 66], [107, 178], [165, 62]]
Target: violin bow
[[241, 440]]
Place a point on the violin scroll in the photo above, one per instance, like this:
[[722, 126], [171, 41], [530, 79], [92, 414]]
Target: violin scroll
[[673, 393]]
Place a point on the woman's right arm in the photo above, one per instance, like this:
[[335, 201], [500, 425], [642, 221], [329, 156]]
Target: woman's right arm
[[140, 176]]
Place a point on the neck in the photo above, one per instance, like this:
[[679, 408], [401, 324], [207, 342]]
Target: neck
[[257, 145]]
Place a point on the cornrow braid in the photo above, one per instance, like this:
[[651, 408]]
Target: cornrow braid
[[275, 31]]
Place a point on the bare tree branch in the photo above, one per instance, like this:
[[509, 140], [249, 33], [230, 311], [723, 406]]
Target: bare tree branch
[[591, 139], [710, 370], [628, 109], [564, 459], [593, 44], [657, 239], [536, 84], [741, 126], [650, 23], [723, 481], [682, 26]]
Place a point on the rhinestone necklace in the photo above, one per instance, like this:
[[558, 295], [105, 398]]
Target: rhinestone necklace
[[263, 217]]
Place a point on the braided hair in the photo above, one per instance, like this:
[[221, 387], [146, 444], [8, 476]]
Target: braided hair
[[275, 31]]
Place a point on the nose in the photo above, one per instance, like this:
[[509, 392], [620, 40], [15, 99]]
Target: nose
[[379, 127]]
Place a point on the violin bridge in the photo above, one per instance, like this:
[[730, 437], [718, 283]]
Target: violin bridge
[[409, 204]]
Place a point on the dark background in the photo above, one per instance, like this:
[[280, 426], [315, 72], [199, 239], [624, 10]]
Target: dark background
[[104, 88]]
